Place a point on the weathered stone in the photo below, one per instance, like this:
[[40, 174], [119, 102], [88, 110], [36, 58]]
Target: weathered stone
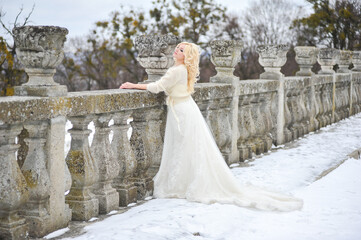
[[156, 53], [225, 55], [36, 210], [344, 61], [356, 60], [40, 50], [83, 169], [14, 191], [124, 153], [306, 57], [272, 58], [327, 58], [108, 167]]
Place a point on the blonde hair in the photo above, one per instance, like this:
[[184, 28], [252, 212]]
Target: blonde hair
[[191, 61]]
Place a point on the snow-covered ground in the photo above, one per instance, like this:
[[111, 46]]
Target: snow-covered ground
[[332, 204]]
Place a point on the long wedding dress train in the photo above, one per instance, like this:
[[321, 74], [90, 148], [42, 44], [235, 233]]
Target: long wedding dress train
[[193, 168]]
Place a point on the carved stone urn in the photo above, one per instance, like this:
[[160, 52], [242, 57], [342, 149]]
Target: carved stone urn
[[272, 58], [40, 50], [327, 58], [345, 61], [225, 55], [155, 53], [356, 61], [306, 57]]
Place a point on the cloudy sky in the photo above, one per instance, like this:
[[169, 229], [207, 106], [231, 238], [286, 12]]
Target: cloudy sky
[[79, 16]]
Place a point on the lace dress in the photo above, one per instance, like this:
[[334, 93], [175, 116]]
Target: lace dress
[[192, 166]]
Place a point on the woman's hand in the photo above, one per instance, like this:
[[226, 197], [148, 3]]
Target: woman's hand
[[127, 85]]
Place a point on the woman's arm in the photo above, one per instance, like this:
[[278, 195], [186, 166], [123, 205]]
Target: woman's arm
[[129, 85]]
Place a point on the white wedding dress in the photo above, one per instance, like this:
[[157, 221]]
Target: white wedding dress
[[193, 168]]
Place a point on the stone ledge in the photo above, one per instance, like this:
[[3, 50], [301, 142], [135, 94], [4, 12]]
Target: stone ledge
[[21, 108]]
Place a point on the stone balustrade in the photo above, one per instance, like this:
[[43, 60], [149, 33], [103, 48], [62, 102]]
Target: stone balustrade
[[246, 118]]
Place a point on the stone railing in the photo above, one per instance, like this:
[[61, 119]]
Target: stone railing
[[41, 189]]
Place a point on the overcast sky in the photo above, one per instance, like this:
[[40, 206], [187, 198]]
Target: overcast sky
[[79, 16]]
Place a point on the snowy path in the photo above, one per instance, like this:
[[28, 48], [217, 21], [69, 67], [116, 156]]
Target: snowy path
[[332, 205]]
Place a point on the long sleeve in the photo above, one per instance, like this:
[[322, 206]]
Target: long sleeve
[[169, 80]]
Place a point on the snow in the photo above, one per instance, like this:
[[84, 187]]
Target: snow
[[57, 233], [332, 204]]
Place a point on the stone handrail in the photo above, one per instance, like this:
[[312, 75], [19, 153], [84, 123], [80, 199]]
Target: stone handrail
[[246, 119]]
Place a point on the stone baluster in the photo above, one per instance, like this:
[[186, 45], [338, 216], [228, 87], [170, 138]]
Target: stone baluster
[[306, 57], [305, 107], [40, 50], [108, 167], [250, 124], [123, 152], [259, 124], [36, 210], [272, 58], [287, 116], [244, 134], [344, 61], [83, 169], [14, 190], [327, 58], [265, 113], [313, 105], [328, 100], [219, 120], [298, 113], [356, 61], [155, 53], [142, 148], [321, 110], [294, 111]]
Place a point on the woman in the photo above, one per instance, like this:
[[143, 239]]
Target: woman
[[192, 166]]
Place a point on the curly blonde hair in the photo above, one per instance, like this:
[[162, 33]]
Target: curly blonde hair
[[191, 61]]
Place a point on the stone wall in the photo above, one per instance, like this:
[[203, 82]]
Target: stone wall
[[245, 117]]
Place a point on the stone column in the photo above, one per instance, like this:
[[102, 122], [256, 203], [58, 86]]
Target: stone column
[[40, 50], [355, 86], [225, 55], [306, 57], [344, 61], [36, 210], [327, 58], [14, 191], [124, 154], [108, 167], [83, 171], [155, 54], [272, 58]]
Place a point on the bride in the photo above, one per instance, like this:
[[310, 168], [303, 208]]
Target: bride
[[192, 166]]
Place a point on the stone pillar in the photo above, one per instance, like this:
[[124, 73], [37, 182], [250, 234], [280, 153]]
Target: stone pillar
[[272, 58], [142, 147], [225, 55], [14, 191], [108, 167], [355, 86], [60, 178], [344, 61], [327, 58], [124, 154], [306, 57], [155, 54], [40, 50], [36, 210], [83, 171]]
